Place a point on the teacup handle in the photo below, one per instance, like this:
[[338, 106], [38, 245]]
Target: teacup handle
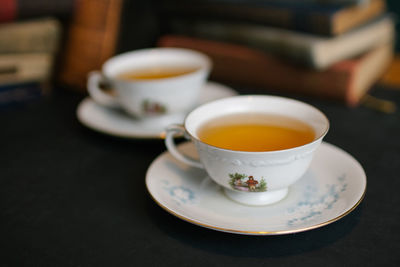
[[93, 84], [179, 130]]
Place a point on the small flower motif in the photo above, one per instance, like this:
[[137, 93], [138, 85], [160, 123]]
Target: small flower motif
[[313, 205], [181, 194], [303, 209], [319, 207], [329, 199]]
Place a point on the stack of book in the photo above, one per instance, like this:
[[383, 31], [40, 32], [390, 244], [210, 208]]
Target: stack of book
[[330, 49], [28, 49]]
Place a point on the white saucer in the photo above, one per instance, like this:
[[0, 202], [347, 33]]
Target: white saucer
[[115, 122], [333, 186]]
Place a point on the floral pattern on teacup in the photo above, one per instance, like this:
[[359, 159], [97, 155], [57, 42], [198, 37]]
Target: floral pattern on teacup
[[238, 182], [153, 107]]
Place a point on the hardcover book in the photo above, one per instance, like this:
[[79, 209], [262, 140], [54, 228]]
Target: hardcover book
[[305, 49], [29, 36], [316, 17], [15, 10], [347, 81], [13, 94], [25, 67]]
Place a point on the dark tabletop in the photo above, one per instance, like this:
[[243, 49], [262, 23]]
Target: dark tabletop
[[72, 197]]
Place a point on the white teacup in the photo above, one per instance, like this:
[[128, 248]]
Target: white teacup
[[274, 170], [149, 97]]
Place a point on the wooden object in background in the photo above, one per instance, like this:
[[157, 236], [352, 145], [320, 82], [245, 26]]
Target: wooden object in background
[[92, 39]]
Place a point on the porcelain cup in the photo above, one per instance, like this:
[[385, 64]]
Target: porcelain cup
[[273, 171], [144, 98]]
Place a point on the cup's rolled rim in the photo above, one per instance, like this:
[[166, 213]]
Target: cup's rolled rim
[[316, 139], [205, 64]]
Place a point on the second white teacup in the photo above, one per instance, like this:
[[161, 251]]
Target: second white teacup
[[151, 82], [227, 134]]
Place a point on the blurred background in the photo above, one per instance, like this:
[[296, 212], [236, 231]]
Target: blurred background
[[337, 50]]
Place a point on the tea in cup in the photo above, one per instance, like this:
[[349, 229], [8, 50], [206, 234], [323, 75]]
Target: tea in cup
[[151, 82], [254, 146]]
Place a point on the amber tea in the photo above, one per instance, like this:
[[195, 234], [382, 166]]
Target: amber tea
[[255, 132], [156, 73]]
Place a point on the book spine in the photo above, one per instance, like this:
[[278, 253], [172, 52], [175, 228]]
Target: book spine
[[25, 67], [20, 93], [30, 36], [8, 10]]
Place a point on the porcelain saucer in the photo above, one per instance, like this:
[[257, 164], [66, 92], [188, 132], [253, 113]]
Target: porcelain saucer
[[333, 186], [117, 123]]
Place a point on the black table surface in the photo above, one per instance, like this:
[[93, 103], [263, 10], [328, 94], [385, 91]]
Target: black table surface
[[70, 196]]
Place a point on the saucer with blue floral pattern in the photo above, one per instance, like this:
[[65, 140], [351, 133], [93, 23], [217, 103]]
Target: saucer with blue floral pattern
[[333, 186]]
